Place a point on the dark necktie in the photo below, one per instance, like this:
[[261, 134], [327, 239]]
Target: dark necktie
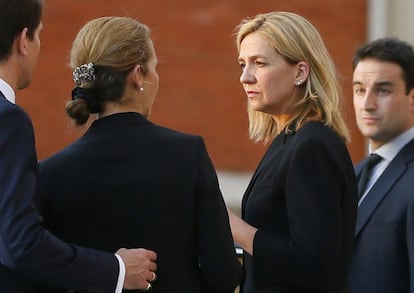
[[363, 178]]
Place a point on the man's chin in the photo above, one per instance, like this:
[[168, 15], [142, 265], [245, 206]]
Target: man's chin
[[22, 86], [369, 132]]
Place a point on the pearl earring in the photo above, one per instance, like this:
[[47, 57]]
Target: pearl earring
[[299, 82], [141, 89]]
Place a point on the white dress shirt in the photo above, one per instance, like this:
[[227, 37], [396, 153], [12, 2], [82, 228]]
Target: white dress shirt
[[8, 92]]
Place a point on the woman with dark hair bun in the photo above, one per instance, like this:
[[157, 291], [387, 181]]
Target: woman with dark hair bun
[[130, 183]]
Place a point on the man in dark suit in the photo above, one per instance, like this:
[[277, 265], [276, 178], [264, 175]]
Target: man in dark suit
[[28, 252], [383, 89]]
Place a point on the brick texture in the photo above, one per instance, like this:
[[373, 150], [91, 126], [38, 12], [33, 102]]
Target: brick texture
[[199, 75]]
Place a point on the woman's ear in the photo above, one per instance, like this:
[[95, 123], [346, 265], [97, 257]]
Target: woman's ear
[[137, 76], [302, 73]]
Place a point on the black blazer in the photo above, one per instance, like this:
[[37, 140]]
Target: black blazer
[[303, 200], [27, 251], [130, 183], [383, 258]]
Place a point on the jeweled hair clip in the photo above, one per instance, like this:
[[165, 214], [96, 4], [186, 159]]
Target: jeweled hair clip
[[84, 72]]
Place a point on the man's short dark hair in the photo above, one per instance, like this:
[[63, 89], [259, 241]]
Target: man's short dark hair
[[391, 50], [15, 15]]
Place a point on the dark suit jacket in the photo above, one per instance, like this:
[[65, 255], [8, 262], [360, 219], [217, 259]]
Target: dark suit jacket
[[383, 259], [302, 198], [27, 251], [130, 183]]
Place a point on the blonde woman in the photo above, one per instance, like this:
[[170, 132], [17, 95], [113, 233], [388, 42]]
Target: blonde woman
[[298, 212]]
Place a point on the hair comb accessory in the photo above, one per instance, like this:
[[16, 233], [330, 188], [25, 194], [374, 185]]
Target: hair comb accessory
[[84, 72]]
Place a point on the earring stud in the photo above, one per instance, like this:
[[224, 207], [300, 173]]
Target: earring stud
[[141, 89], [299, 82]]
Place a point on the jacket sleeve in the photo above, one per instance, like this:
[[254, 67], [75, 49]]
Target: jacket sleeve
[[220, 269], [25, 246]]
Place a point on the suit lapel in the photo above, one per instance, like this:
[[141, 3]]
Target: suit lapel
[[252, 183], [281, 139], [381, 188]]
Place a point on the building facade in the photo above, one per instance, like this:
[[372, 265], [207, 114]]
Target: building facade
[[199, 88]]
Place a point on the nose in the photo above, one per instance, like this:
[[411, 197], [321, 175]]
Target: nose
[[368, 101], [247, 76]]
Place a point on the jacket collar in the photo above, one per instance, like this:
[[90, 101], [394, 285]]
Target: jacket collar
[[118, 120]]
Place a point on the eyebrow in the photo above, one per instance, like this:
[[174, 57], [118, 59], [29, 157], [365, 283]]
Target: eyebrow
[[384, 83], [381, 83], [252, 57]]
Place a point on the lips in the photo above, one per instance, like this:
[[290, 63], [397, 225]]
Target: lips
[[251, 94], [369, 119]]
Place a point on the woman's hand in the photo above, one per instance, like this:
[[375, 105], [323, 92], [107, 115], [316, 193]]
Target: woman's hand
[[243, 233]]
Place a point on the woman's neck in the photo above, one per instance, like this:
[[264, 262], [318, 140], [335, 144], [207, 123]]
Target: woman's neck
[[111, 108]]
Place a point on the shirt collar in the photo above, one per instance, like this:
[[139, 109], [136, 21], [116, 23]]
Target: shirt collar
[[7, 91], [389, 150]]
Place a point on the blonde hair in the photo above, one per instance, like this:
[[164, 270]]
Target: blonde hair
[[113, 41], [296, 39], [114, 45]]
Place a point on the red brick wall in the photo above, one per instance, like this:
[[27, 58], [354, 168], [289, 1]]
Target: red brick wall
[[199, 88]]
